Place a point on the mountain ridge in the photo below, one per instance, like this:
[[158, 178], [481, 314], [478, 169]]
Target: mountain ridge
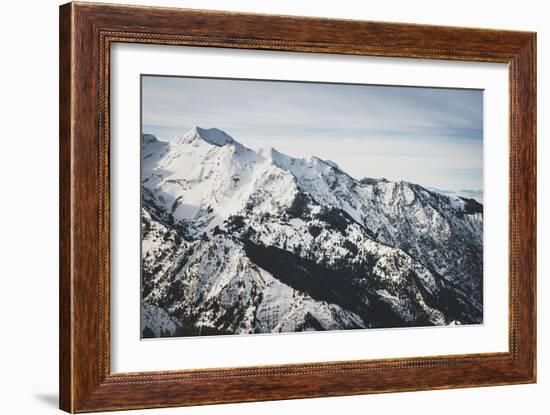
[[312, 216]]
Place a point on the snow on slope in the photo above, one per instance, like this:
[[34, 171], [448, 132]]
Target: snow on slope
[[217, 217], [155, 322], [204, 177]]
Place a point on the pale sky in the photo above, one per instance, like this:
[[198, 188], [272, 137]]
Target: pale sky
[[429, 136]]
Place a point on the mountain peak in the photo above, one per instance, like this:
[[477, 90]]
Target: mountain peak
[[318, 160], [213, 136], [148, 138], [279, 158]]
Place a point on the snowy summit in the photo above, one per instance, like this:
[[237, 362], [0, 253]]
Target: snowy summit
[[210, 135], [236, 241]]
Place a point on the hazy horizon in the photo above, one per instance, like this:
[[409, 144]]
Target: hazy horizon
[[429, 136]]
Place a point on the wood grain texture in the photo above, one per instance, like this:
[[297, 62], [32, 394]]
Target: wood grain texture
[[86, 33], [65, 249]]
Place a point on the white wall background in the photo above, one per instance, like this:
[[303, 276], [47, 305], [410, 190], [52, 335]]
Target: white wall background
[[28, 207]]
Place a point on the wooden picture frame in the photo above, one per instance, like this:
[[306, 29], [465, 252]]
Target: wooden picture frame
[[86, 33]]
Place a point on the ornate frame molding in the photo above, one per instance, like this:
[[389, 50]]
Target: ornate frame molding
[[86, 34]]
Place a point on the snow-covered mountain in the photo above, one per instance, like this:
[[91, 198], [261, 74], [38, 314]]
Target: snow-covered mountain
[[236, 241]]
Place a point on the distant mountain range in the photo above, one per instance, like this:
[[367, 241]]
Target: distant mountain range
[[475, 194], [236, 241]]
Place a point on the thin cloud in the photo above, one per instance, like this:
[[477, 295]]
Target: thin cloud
[[430, 136]]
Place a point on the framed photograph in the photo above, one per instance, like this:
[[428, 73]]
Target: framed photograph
[[258, 207]]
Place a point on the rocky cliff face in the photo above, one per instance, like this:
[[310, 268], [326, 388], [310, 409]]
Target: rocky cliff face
[[236, 241]]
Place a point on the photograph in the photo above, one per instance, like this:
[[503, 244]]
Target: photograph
[[271, 206], [275, 207]]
